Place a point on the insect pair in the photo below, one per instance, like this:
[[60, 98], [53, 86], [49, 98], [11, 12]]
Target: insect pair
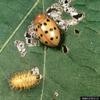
[[46, 27]]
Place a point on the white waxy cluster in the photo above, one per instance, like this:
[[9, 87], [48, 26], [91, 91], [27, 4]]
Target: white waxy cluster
[[21, 47], [30, 36], [35, 71], [56, 10]]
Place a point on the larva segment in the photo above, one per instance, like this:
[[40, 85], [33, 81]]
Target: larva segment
[[25, 80]]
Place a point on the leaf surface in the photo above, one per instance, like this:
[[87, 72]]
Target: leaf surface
[[74, 74]]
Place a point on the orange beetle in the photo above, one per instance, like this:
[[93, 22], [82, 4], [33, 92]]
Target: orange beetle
[[46, 30]]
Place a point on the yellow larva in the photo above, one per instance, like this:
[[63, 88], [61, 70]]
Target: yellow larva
[[25, 80]]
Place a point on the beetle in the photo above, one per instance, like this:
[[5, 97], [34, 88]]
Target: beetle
[[46, 30]]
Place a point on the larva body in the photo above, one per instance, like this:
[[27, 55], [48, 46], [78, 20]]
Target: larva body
[[25, 80]]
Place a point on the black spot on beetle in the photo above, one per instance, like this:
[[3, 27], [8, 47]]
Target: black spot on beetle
[[56, 37], [41, 35], [40, 24], [46, 42], [46, 32], [36, 29], [48, 20], [54, 28], [45, 23], [51, 29], [51, 38]]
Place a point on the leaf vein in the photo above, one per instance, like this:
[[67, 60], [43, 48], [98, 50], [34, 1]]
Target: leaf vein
[[44, 69], [19, 25]]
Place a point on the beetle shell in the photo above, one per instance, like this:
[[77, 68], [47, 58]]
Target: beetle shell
[[24, 80], [47, 30]]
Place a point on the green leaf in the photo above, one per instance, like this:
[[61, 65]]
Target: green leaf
[[74, 74]]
